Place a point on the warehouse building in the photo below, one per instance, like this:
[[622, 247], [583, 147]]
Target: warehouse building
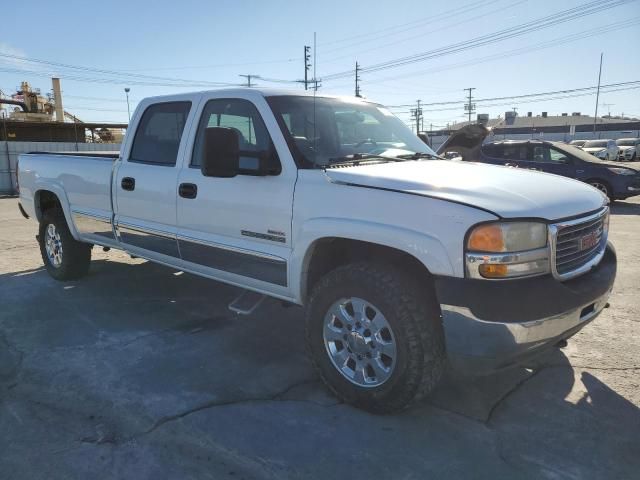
[[563, 128]]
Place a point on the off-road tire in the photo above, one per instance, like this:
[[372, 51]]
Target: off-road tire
[[414, 316], [76, 256]]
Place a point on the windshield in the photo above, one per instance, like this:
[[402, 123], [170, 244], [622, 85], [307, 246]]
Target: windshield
[[596, 143], [626, 142], [323, 131]]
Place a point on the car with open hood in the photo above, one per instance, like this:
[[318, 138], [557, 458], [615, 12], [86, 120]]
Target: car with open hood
[[615, 181]]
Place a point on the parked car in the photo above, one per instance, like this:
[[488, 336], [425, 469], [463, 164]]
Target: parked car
[[628, 149], [602, 149], [615, 181], [577, 143], [405, 262]]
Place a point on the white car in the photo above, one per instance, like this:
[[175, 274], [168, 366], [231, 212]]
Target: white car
[[628, 149], [406, 263], [602, 149], [577, 143]]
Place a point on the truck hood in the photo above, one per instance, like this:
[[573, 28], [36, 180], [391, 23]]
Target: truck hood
[[508, 192]]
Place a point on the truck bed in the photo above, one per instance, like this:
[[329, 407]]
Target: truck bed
[[81, 180]]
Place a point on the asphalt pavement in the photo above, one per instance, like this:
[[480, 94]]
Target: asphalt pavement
[[139, 371]]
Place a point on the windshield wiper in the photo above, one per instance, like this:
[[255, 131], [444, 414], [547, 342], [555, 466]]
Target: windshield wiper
[[358, 158], [419, 155]]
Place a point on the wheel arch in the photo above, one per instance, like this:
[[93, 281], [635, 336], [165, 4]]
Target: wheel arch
[[48, 198]]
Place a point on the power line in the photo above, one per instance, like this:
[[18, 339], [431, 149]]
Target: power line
[[425, 32], [380, 32], [528, 27], [601, 30], [108, 72], [527, 95]]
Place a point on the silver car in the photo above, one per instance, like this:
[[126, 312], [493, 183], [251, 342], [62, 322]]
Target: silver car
[[628, 149], [602, 149]]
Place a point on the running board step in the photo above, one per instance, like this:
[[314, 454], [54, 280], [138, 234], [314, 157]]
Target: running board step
[[246, 303]]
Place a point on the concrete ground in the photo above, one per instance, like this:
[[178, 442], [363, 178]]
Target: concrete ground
[[137, 371]]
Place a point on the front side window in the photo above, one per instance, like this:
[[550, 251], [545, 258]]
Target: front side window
[[243, 117], [322, 131], [514, 152], [159, 132]]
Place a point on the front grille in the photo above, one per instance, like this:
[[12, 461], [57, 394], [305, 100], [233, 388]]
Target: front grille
[[578, 243]]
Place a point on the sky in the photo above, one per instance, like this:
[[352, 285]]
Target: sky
[[120, 44]]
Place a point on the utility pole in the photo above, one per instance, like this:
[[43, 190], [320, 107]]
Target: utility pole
[[515, 110], [307, 65], [126, 92], [417, 115], [595, 117], [248, 77], [358, 80], [315, 63], [470, 107]]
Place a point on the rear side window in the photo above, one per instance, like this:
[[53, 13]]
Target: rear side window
[[158, 136], [506, 151]]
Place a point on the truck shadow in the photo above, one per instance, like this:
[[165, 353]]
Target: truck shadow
[[625, 208], [133, 344]]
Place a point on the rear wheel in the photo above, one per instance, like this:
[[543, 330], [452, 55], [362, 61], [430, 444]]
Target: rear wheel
[[64, 257], [375, 337]]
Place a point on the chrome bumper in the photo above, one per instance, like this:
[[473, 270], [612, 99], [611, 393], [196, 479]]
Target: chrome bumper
[[476, 346], [492, 325]]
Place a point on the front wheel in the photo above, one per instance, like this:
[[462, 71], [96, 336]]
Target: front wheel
[[375, 337], [602, 186], [64, 257]]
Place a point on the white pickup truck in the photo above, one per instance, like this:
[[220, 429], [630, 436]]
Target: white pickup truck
[[406, 263]]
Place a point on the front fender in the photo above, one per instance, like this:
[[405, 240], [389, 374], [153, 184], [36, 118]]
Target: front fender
[[426, 248]]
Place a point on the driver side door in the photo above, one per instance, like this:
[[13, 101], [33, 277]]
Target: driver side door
[[237, 229]]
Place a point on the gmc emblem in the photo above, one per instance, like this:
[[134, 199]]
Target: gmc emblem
[[589, 241]]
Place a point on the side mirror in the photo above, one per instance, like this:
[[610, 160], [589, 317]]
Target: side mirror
[[221, 152]]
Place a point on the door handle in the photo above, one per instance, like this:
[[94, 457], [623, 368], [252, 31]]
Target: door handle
[[188, 190], [128, 183]]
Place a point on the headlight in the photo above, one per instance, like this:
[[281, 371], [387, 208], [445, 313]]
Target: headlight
[[622, 171], [507, 250]]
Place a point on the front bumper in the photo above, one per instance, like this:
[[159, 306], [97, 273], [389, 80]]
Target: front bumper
[[490, 325]]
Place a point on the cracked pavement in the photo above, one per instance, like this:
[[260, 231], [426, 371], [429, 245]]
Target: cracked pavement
[[139, 372]]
